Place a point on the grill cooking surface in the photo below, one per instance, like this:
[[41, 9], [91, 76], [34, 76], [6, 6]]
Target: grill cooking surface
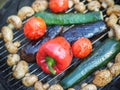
[[5, 71]]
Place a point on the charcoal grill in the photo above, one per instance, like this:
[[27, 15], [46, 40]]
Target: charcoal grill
[[10, 8]]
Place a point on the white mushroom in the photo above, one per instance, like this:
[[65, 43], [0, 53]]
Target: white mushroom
[[70, 3], [76, 1], [25, 12], [89, 0], [46, 86], [109, 64], [115, 69], [114, 9], [112, 20], [7, 34], [12, 47], [116, 29], [111, 33], [80, 7], [117, 58], [40, 5], [94, 6], [70, 89], [102, 78], [38, 86], [15, 22], [20, 70], [13, 59], [55, 87], [88, 87], [29, 80], [107, 3]]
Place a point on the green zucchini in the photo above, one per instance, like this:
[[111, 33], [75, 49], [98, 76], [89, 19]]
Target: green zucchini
[[100, 57], [70, 18]]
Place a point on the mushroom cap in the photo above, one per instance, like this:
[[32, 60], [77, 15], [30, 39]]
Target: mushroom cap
[[25, 12], [114, 9], [94, 5], [40, 5], [89, 87], [15, 20], [108, 2], [102, 78]]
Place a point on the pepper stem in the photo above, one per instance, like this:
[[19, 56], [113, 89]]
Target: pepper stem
[[51, 62]]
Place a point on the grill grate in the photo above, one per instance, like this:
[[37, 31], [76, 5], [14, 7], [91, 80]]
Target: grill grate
[[6, 74]]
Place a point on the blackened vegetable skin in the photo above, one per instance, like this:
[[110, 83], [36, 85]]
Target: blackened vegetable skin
[[87, 30], [28, 53]]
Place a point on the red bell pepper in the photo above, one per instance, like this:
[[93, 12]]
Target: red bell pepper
[[55, 55]]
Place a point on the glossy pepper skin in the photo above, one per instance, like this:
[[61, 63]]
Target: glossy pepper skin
[[55, 55], [57, 6]]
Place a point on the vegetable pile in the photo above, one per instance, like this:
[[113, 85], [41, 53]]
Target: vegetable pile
[[53, 47]]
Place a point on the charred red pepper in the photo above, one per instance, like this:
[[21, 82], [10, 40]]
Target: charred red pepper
[[55, 55]]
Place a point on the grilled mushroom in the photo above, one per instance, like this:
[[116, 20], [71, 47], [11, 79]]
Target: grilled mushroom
[[38, 86], [29, 80], [86, 86], [20, 70], [76, 1], [46, 86], [114, 9], [115, 69], [94, 6], [116, 29], [40, 5], [7, 34], [15, 22], [12, 47], [71, 89], [70, 3], [112, 20], [117, 58], [102, 78], [13, 59], [80, 7], [25, 12], [55, 87], [107, 3], [111, 33]]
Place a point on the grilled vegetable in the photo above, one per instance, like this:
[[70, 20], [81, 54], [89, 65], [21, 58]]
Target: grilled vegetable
[[34, 28], [28, 52], [100, 56], [20, 70], [58, 5], [87, 31], [70, 18], [102, 78], [29, 80], [55, 55], [55, 87], [115, 69], [82, 48]]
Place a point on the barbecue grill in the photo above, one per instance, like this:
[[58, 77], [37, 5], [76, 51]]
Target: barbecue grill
[[6, 78]]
